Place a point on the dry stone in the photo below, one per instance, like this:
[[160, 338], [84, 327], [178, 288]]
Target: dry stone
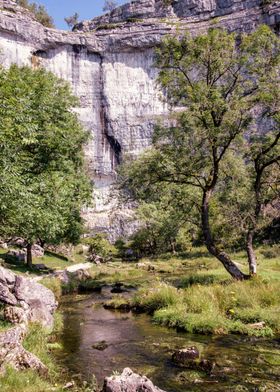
[[13, 354], [34, 299], [129, 381]]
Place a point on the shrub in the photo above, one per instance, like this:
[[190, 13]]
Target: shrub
[[100, 245], [39, 11]]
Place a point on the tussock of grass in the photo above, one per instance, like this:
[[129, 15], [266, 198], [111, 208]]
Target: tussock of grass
[[160, 296], [118, 302], [54, 284], [215, 309]]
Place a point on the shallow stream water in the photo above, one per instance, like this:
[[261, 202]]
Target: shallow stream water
[[243, 363]]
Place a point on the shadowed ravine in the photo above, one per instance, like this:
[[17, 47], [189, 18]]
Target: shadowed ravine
[[243, 363]]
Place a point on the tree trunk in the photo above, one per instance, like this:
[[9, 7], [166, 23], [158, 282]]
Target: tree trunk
[[29, 255], [229, 265], [250, 253]]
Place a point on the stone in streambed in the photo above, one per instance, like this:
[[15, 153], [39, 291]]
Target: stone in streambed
[[190, 359], [101, 346], [129, 381], [185, 356]]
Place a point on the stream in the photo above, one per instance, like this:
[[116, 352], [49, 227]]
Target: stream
[[132, 340]]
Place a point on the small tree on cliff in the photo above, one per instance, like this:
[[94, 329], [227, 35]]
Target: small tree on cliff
[[39, 11], [72, 20], [43, 180], [216, 84]]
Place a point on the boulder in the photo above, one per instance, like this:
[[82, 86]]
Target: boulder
[[37, 251], [13, 354], [17, 241], [17, 255], [129, 381], [35, 300]]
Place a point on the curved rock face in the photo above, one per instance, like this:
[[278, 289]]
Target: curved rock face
[[109, 63], [36, 302]]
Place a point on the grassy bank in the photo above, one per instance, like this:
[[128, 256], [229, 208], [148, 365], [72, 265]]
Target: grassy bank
[[40, 342], [198, 296]]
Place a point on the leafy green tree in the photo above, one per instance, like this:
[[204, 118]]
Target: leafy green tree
[[39, 11], [44, 183], [215, 83]]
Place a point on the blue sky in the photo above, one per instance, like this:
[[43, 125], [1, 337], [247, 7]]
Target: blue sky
[[87, 9]]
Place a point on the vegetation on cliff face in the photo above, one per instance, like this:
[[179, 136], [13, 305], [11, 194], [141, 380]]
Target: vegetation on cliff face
[[39, 11], [217, 162], [43, 179]]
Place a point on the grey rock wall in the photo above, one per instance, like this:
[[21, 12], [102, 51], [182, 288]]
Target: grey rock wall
[[109, 63]]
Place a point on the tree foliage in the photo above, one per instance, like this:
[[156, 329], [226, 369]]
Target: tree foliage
[[222, 137], [39, 11], [43, 180]]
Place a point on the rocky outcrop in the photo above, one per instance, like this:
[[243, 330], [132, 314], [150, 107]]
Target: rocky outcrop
[[36, 303], [129, 381], [13, 354], [109, 64]]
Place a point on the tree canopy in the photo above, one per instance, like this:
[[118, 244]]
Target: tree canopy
[[43, 179], [222, 137]]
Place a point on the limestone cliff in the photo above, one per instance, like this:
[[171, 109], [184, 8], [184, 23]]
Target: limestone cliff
[[109, 63]]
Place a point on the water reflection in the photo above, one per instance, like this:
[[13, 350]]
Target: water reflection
[[244, 364]]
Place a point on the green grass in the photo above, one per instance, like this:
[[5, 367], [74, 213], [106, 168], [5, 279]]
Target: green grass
[[54, 284], [51, 260], [215, 309], [193, 292], [36, 341]]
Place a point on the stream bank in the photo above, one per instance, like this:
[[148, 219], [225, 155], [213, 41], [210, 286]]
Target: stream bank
[[103, 342]]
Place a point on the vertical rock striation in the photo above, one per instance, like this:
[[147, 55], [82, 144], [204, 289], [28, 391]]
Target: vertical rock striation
[[109, 64]]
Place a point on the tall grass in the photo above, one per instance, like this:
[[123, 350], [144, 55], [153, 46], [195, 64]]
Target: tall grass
[[216, 308]]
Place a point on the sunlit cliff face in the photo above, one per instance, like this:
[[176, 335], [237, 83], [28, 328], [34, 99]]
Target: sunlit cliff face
[[109, 64]]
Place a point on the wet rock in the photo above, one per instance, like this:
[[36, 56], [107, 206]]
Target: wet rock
[[185, 356], [129, 381], [206, 366], [190, 358], [118, 288], [101, 346]]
